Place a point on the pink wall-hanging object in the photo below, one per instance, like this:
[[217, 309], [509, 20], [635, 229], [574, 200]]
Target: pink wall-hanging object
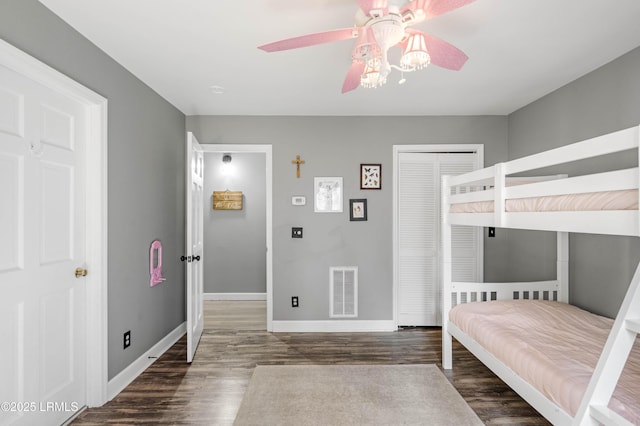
[[155, 263]]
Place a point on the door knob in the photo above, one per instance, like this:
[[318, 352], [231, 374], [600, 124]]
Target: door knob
[[190, 258], [81, 272]]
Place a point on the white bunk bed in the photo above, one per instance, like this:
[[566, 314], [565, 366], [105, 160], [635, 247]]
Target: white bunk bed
[[484, 198]]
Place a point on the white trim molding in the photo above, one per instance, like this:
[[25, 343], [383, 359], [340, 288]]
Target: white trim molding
[[137, 367], [337, 326], [234, 296]]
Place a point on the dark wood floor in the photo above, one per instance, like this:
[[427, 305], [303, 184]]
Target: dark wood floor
[[209, 391]]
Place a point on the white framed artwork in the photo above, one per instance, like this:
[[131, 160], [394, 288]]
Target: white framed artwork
[[327, 194]]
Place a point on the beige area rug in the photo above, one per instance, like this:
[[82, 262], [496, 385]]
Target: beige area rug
[[352, 395]]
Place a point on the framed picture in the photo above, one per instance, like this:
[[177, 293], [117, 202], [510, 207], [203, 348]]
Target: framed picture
[[358, 209], [370, 176], [327, 193]]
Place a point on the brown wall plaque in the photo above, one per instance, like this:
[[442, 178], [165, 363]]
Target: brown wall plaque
[[227, 200]]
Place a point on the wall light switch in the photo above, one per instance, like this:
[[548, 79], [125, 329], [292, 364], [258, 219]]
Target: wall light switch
[[492, 232], [296, 232]]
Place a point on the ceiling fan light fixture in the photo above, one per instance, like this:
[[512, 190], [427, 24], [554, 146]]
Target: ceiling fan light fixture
[[366, 52], [371, 77], [415, 55]]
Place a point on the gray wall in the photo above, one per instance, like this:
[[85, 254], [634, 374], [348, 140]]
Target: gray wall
[[235, 241], [602, 101], [335, 146], [146, 177]]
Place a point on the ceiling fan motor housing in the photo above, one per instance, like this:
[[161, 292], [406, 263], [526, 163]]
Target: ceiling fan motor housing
[[387, 31]]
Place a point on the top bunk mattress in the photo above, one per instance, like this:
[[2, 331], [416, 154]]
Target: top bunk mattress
[[553, 346], [590, 201]]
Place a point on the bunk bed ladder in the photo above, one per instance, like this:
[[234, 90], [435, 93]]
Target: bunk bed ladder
[[593, 408]]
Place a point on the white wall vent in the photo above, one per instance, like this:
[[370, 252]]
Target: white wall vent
[[343, 291]]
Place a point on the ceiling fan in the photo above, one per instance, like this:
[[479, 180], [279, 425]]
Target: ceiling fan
[[379, 26]]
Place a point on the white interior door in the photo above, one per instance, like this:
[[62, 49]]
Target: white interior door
[[419, 241], [194, 215], [42, 229]]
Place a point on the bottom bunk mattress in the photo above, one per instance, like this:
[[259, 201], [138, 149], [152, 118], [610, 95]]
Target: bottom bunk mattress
[[553, 346]]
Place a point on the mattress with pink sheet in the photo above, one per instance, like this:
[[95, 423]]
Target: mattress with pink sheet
[[551, 345], [590, 201]]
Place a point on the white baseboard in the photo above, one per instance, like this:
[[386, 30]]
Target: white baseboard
[[234, 296], [128, 375], [338, 326]]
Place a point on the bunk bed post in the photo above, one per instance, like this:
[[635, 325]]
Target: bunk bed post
[[499, 191], [447, 340], [562, 266]]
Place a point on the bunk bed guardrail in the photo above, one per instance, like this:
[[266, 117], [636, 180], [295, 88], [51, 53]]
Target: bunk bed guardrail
[[491, 185]]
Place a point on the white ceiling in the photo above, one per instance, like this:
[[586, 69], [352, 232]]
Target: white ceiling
[[519, 50]]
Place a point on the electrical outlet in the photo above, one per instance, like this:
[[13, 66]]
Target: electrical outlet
[[127, 339], [294, 302], [296, 232], [492, 232]]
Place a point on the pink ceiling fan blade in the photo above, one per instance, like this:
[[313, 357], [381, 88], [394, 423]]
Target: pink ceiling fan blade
[[311, 39], [443, 54], [368, 5], [427, 9], [352, 80]]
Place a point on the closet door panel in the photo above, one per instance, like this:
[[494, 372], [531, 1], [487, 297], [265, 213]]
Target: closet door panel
[[419, 236], [418, 239]]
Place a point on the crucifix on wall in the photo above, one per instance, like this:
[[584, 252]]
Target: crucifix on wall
[[298, 162]]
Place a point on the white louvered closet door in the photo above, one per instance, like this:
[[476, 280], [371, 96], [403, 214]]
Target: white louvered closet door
[[419, 243]]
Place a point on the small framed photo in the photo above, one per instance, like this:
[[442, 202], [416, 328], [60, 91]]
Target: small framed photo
[[370, 176], [327, 194], [358, 209]]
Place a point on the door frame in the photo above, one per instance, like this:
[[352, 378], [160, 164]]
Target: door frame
[[267, 150], [95, 329], [431, 149]]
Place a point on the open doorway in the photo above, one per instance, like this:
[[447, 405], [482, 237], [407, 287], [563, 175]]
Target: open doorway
[[238, 240]]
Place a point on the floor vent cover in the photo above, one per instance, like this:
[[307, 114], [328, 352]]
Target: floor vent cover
[[344, 291]]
